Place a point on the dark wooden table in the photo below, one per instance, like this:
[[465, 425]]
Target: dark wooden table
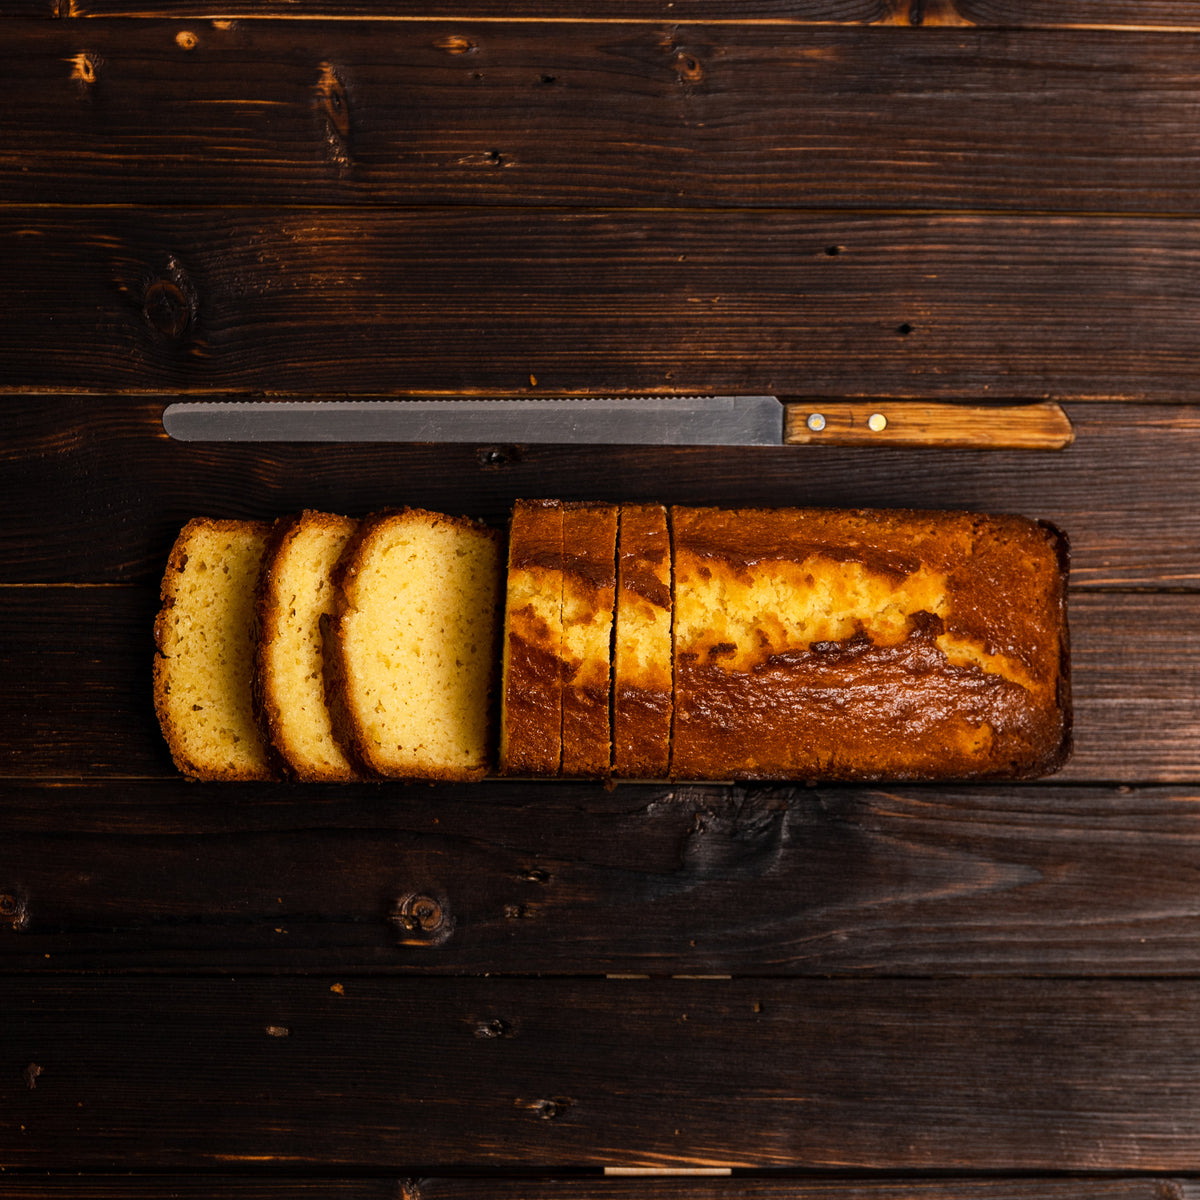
[[976, 992]]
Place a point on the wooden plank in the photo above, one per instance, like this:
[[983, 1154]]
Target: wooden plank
[[579, 1186], [80, 659], [148, 1074], [914, 14], [81, 702], [250, 1187], [768, 881], [1074, 14], [345, 301], [600, 114], [795, 11], [774, 1188], [122, 490]]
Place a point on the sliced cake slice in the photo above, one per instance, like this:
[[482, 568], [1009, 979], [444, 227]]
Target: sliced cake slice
[[204, 667], [295, 596], [532, 676], [642, 684], [588, 600], [414, 645]]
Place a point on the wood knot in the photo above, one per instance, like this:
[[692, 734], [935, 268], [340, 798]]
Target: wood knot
[[14, 909], [918, 13], [688, 68], [85, 67], [169, 305], [493, 1028], [422, 920], [551, 1109], [185, 39], [455, 43], [333, 102]]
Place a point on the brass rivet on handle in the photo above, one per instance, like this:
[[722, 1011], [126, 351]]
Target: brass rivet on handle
[[815, 422], [877, 422]]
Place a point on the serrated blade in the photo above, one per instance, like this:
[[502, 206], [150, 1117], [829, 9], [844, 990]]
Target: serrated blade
[[622, 420]]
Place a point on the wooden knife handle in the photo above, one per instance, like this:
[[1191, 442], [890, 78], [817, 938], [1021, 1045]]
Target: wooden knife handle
[[1042, 426]]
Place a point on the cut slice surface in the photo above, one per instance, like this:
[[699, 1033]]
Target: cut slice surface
[[204, 634], [414, 643], [295, 597]]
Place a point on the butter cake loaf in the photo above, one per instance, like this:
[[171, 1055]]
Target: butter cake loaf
[[588, 599], [532, 667], [295, 597], [818, 644], [641, 642], [204, 636], [642, 684], [413, 643]]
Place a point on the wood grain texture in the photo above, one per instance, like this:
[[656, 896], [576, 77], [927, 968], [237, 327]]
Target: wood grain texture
[[805, 11], [1052, 881], [346, 301], [607, 114], [250, 1187], [1081, 14], [914, 14], [774, 1188], [586, 1185], [123, 489], [82, 702], [977, 993], [191, 1074], [1042, 426]]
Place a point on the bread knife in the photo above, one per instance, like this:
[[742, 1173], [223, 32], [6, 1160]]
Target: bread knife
[[623, 420]]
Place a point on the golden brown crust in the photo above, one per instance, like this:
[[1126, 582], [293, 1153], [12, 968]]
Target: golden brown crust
[[272, 696], [532, 670], [257, 761], [589, 597], [642, 672], [951, 666]]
